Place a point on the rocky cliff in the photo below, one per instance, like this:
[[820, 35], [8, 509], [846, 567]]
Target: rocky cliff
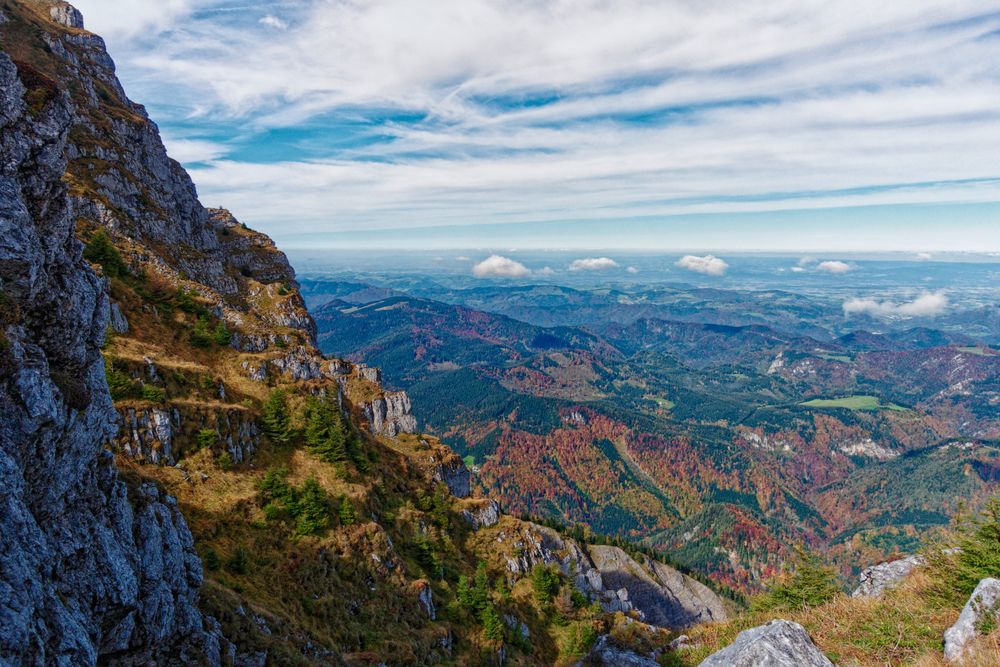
[[91, 568]]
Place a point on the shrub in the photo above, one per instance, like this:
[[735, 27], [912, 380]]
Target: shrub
[[811, 585], [152, 394], [206, 438], [238, 562], [100, 250], [222, 336], [121, 386], [201, 336], [224, 461], [211, 559]]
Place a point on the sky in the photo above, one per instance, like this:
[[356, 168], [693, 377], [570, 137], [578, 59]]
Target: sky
[[706, 125]]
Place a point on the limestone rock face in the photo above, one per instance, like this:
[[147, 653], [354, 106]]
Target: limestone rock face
[[67, 15], [390, 414], [663, 596], [779, 643], [90, 569], [482, 514], [983, 604], [876, 579], [657, 593]]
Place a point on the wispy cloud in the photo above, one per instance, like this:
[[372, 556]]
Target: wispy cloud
[[708, 265], [487, 112], [273, 21], [497, 266], [928, 304]]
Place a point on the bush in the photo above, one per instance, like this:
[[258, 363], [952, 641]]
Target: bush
[[222, 336], [206, 438], [100, 250], [811, 585], [211, 559], [493, 626], [152, 394], [200, 334], [225, 461], [238, 562], [121, 386]]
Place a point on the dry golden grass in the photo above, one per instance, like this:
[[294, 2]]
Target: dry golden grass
[[901, 628]]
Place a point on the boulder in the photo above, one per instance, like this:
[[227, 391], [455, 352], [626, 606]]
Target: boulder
[[779, 643], [983, 606], [876, 579]]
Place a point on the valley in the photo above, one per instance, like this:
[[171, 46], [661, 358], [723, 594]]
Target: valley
[[674, 416]]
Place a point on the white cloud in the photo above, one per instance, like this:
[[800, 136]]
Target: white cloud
[[708, 265], [834, 266], [928, 304], [194, 150], [523, 116], [593, 264], [632, 269], [798, 269], [273, 21], [499, 266], [127, 19], [925, 256], [545, 271]]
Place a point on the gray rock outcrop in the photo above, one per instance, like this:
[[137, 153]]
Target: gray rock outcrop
[[606, 654], [779, 643], [660, 595], [390, 414], [983, 606], [482, 515], [91, 570], [877, 579]]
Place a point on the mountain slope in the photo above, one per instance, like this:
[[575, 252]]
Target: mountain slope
[[214, 490]]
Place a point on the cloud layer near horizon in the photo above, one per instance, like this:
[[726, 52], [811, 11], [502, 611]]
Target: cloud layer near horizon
[[311, 116]]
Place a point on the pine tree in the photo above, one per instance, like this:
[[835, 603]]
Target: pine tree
[[222, 336], [348, 517], [277, 420], [464, 593], [492, 624], [100, 250], [313, 509], [481, 590], [545, 582], [325, 431]]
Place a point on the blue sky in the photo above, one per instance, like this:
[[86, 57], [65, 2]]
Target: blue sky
[[782, 125]]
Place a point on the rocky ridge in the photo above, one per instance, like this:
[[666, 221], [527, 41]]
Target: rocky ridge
[[92, 568]]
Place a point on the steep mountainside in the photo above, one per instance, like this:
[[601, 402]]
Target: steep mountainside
[[187, 480]]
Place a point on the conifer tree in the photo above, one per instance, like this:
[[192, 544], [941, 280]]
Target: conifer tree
[[348, 517], [277, 420], [492, 624], [313, 510]]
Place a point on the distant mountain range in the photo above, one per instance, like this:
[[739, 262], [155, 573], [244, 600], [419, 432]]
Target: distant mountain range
[[723, 426]]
